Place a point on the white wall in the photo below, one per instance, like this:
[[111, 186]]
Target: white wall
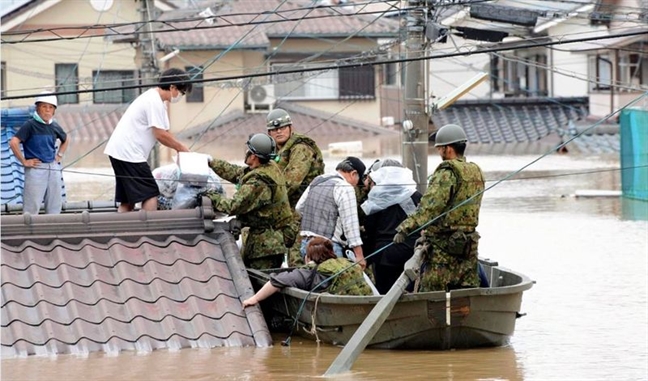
[[569, 69], [446, 74], [30, 66]]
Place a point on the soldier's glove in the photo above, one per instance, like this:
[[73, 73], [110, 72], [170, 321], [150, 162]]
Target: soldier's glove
[[212, 195], [400, 237], [235, 227], [420, 241]]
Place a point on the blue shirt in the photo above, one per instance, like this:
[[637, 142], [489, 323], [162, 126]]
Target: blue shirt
[[39, 139]]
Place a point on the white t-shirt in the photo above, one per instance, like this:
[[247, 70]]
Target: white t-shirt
[[133, 138]]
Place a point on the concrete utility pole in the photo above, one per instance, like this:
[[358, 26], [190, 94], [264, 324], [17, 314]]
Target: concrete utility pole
[[415, 126], [149, 66]]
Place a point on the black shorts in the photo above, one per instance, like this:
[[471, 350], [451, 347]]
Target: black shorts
[[134, 182]]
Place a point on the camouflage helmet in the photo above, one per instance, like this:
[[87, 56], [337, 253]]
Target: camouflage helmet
[[448, 134], [262, 146], [278, 118]]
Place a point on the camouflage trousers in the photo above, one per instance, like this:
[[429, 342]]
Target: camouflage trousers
[[294, 255], [441, 271]]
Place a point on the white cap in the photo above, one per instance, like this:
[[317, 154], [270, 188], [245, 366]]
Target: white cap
[[47, 97]]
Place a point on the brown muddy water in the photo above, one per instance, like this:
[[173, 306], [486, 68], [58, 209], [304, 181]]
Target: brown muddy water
[[586, 317]]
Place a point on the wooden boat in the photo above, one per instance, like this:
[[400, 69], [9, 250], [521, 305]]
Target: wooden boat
[[466, 318]]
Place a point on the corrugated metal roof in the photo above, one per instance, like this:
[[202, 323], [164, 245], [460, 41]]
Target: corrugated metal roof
[[86, 282], [13, 173]]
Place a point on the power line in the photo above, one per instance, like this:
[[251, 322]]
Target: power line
[[119, 29], [359, 64]]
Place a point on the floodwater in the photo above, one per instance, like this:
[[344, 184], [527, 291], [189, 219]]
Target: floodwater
[[586, 317]]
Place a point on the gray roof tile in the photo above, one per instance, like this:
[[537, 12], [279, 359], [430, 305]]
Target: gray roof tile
[[321, 126], [324, 22], [520, 122], [86, 282]]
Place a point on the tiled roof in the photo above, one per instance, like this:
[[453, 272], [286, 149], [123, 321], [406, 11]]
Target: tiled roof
[[512, 120], [323, 22], [322, 127], [529, 125], [89, 122], [86, 282]]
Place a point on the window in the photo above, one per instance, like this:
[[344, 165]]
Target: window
[[600, 72], [3, 78], [344, 83], [197, 93], [107, 79], [633, 71], [67, 79], [357, 82], [519, 75], [393, 74]]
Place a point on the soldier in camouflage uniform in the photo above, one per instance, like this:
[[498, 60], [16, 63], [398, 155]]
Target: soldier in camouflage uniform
[[451, 259], [347, 279], [299, 158], [260, 203]]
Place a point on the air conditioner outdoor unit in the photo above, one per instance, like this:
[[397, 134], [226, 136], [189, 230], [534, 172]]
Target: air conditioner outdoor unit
[[261, 98]]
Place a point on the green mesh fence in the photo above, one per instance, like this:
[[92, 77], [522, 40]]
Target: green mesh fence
[[634, 154]]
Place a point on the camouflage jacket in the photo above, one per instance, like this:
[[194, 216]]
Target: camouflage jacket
[[260, 203], [347, 282], [451, 260], [301, 161], [453, 182]]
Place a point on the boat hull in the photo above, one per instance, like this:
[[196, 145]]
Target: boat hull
[[466, 318]]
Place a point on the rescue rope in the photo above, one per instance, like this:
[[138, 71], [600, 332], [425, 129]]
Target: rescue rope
[[313, 328]]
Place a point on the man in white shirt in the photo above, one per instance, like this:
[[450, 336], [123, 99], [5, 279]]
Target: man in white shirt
[[144, 123]]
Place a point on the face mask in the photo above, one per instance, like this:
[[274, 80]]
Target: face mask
[[176, 99]]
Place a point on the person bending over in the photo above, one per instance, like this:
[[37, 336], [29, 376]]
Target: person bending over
[[322, 263]]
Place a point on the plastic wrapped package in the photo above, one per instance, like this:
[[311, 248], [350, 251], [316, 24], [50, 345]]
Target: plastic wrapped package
[[186, 196], [167, 177], [194, 168], [174, 194]]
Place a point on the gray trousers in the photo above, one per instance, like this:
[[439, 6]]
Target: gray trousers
[[43, 184]]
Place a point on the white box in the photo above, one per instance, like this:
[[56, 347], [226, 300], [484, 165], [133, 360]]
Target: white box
[[194, 168]]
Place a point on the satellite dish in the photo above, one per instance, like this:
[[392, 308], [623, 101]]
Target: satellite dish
[[258, 94], [101, 5]]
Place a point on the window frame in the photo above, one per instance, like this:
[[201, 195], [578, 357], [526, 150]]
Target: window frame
[[197, 94], [523, 75], [331, 84], [125, 95], [3, 78], [67, 85], [595, 68]]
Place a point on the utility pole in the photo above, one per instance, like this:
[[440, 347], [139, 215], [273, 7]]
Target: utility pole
[[415, 126], [149, 66]]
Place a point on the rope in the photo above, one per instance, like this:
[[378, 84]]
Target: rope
[[313, 328]]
